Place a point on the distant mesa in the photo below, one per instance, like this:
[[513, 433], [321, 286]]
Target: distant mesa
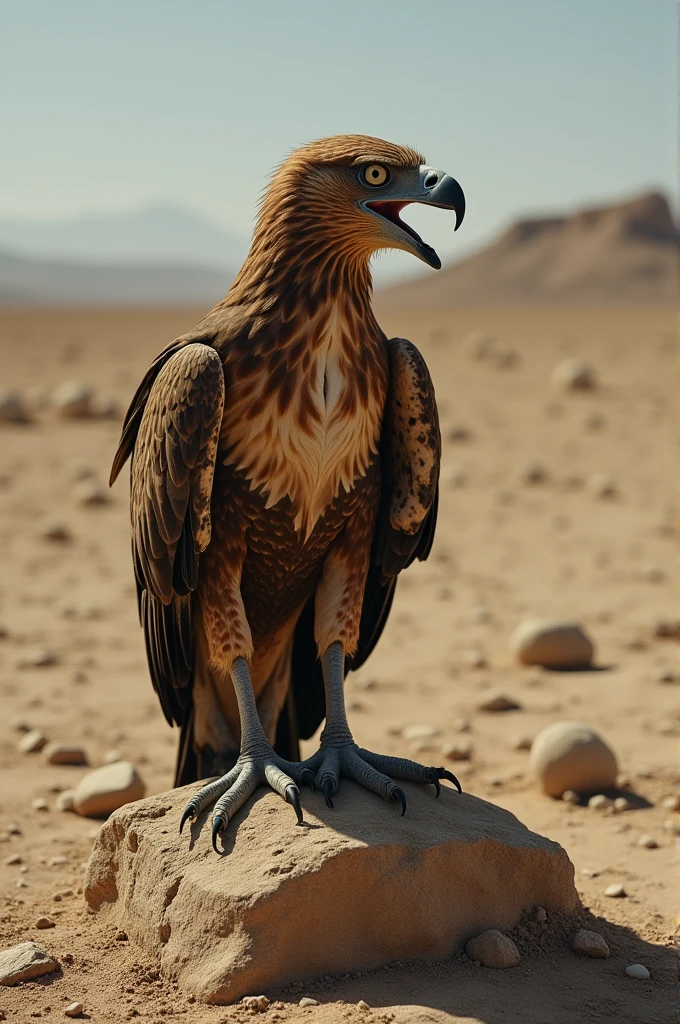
[[623, 253]]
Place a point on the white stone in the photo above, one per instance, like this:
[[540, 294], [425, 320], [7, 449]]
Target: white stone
[[32, 742], [420, 732], [571, 797], [457, 751], [590, 944], [573, 375], [27, 960], [74, 1009], [621, 804], [308, 1001], [552, 643], [599, 802], [493, 949], [105, 789], [571, 755], [648, 842], [615, 890], [638, 971], [73, 400], [13, 409]]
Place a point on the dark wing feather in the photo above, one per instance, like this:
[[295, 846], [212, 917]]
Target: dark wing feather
[[171, 431]]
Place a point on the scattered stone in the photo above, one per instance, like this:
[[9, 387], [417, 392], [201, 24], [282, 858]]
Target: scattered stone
[[648, 842], [638, 971], [27, 960], [621, 804], [21, 725], [574, 375], [666, 676], [105, 789], [462, 725], [602, 486], [457, 478], [64, 753], [552, 643], [571, 755], [91, 493], [493, 949], [672, 825], [616, 890], [590, 944], [256, 1004], [475, 659], [533, 474], [308, 1001], [643, 771], [457, 751], [541, 915], [73, 400], [363, 1005], [111, 756], [56, 862], [39, 804], [56, 531], [13, 829], [44, 922], [571, 797], [521, 742], [600, 802], [14, 859], [21, 883], [13, 409], [74, 1009], [420, 732], [666, 629], [43, 657], [594, 422], [121, 936], [671, 803], [499, 702], [65, 800]]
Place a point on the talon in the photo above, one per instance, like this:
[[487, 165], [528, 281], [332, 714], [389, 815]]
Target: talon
[[307, 775], [188, 812], [218, 825], [438, 788], [444, 773], [293, 798], [399, 794], [327, 787]]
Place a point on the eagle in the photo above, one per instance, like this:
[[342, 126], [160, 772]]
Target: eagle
[[284, 470]]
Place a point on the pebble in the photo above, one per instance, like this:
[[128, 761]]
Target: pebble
[[672, 825], [420, 732], [90, 493], [671, 803], [499, 702], [648, 842], [65, 800], [27, 960], [621, 804], [73, 400], [666, 676], [57, 531], [111, 756], [56, 862], [600, 802], [14, 859], [459, 432], [666, 629], [552, 643], [459, 751], [602, 486], [475, 659], [615, 890], [521, 742], [590, 944], [308, 1001], [541, 915], [13, 829], [39, 804], [105, 407], [44, 922], [493, 949], [13, 409], [573, 375], [256, 1004], [363, 1005], [107, 788], [64, 753], [32, 742], [43, 657], [21, 883], [638, 971], [534, 473], [571, 797], [21, 725], [74, 1009], [571, 756]]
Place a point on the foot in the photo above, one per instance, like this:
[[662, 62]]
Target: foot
[[251, 770]]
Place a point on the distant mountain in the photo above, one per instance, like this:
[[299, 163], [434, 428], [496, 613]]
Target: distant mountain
[[151, 234], [626, 252]]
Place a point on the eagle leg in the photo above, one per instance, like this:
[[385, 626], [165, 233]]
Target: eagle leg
[[257, 765]]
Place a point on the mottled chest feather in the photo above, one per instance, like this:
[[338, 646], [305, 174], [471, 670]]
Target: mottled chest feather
[[304, 420]]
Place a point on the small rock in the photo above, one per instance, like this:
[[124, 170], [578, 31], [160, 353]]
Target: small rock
[[74, 1010], [602, 486], [363, 1005], [648, 842], [462, 725], [256, 1004], [105, 789], [32, 742], [13, 829], [457, 751], [521, 742], [65, 800], [121, 936], [13, 409], [459, 432], [44, 922], [91, 493], [43, 657], [552, 643], [590, 944], [56, 862], [621, 804], [64, 753], [111, 756], [672, 825], [574, 375], [475, 659], [615, 890], [671, 803], [308, 1001], [27, 960], [21, 725], [638, 971], [666, 676], [21, 883], [593, 422], [571, 797], [571, 756], [39, 804], [666, 629], [541, 915], [600, 802], [643, 771], [493, 949], [73, 400], [499, 702], [533, 474], [57, 531], [14, 859], [420, 732]]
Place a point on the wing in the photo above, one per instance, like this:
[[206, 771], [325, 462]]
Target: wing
[[172, 431]]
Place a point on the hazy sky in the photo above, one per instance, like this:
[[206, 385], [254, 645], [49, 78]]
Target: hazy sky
[[534, 105]]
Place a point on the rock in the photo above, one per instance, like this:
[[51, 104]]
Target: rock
[[671, 803], [552, 643], [458, 751], [475, 659], [616, 890], [621, 804], [571, 755], [648, 842], [21, 725], [493, 949], [479, 345], [600, 802], [44, 922], [573, 375], [638, 971], [590, 944], [65, 800], [14, 859], [256, 1004], [541, 915], [56, 531], [73, 400], [534, 473], [27, 960], [308, 1001], [602, 486], [42, 657], [499, 702], [521, 742], [105, 407], [459, 432], [90, 493], [400, 899], [56, 862], [74, 1009], [13, 409], [666, 629], [32, 742], [107, 788], [571, 797], [363, 1005], [39, 804], [420, 732], [64, 753]]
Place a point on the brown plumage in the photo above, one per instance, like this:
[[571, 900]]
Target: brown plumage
[[285, 461]]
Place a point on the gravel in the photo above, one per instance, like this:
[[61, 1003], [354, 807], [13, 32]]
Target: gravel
[[638, 971], [493, 949], [590, 944]]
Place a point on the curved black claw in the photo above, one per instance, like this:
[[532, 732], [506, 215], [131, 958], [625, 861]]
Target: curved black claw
[[327, 787], [307, 775], [444, 773], [219, 824], [190, 811], [400, 795], [438, 788], [293, 798]]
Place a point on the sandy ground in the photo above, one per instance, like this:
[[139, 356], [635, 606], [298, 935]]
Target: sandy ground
[[504, 549]]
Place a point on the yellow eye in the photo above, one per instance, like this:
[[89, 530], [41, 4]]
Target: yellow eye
[[376, 174]]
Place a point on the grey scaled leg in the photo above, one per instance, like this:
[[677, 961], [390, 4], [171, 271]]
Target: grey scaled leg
[[257, 765], [339, 755]]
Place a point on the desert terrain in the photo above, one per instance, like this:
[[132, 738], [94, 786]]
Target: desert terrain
[[527, 525]]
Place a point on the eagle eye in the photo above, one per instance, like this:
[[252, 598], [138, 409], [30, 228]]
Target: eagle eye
[[376, 175]]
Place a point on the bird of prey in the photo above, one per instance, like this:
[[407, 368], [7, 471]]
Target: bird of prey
[[284, 471]]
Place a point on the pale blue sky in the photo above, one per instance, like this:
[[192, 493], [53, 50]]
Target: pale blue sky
[[534, 105]]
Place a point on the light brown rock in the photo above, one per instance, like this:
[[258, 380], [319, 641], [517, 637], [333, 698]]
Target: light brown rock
[[499, 702], [73, 400], [13, 409], [493, 949], [64, 753], [552, 643], [74, 1009], [57, 531], [256, 1004], [615, 890], [32, 742], [105, 789], [229, 926], [590, 944], [648, 842], [571, 755], [27, 960], [574, 375], [44, 922], [599, 802], [91, 493]]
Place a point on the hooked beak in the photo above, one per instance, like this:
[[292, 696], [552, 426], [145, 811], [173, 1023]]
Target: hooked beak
[[433, 188]]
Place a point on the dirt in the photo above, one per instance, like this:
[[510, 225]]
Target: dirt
[[505, 549]]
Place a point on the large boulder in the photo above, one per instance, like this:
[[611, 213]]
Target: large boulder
[[353, 888]]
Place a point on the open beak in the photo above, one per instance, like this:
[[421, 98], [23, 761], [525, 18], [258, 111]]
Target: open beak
[[434, 188]]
